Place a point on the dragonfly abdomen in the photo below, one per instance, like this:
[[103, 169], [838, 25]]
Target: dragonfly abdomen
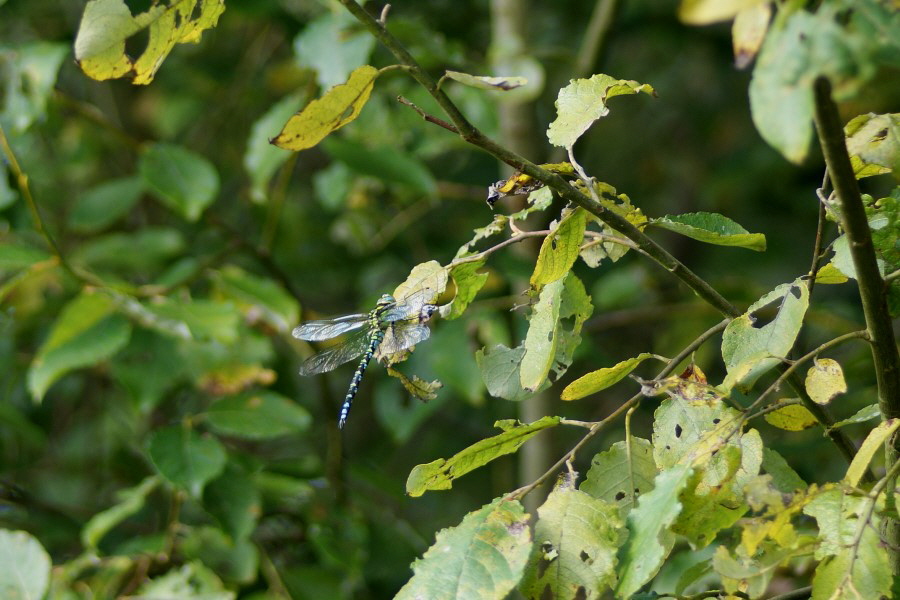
[[377, 337]]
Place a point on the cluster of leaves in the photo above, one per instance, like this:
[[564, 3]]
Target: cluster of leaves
[[205, 328]]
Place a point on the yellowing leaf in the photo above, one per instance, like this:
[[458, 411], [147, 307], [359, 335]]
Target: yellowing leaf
[[583, 101], [830, 274], [560, 249], [872, 444], [825, 380], [106, 24], [704, 12], [749, 31], [602, 378], [791, 418], [873, 142], [340, 105]]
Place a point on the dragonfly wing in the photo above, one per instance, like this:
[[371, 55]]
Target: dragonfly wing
[[333, 357], [409, 307], [399, 337], [313, 331]]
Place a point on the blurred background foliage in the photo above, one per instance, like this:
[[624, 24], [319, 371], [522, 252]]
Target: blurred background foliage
[[257, 239]]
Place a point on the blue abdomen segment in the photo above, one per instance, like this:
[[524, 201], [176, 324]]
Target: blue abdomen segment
[[377, 337]]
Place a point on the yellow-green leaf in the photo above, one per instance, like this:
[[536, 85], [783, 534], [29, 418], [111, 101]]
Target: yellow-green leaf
[[793, 417], [340, 105], [712, 228], [542, 337], [825, 380], [107, 24], [749, 31], [583, 101], [602, 378], [704, 12], [560, 249], [439, 474], [872, 444], [487, 83], [468, 281]]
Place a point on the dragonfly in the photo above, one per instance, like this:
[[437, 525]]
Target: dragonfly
[[392, 327]]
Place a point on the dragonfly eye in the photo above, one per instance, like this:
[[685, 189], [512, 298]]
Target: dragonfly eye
[[427, 311]]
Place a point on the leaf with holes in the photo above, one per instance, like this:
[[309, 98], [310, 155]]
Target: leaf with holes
[[482, 558], [622, 474], [107, 24], [574, 555], [750, 346]]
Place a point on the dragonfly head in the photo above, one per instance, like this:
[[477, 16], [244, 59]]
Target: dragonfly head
[[427, 311], [385, 300]]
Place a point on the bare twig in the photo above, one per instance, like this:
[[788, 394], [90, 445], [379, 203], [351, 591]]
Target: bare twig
[[427, 117]]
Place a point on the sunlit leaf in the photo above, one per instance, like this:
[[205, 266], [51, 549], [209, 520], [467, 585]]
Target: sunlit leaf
[[258, 415], [622, 474], [560, 249], [749, 31], [468, 281], [340, 105], [183, 180], [574, 555], [130, 501], [541, 339], [750, 346], [601, 379], [649, 541], [583, 101], [427, 275], [439, 474], [482, 558], [793, 417], [873, 142], [186, 458], [704, 12], [87, 331], [825, 380], [24, 566], [485, 82], [868, 413], [499, 368], [872, 444], [712, 228], [107, 24]]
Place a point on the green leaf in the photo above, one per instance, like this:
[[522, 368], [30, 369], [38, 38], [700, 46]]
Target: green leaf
[[333, 45], [500, 371], [29, 76], [784, 478], [430, 275], [868, 413], [873, 142], [601, 379], [574, 556], [86, 332], [183, 180], [191, 581], [259, 297], [620, 476], [481, 558], [418, 388], [750, 348], [496, 226], [339, 106], [439, 474], [793, 417], [541, 339], [106, 24], [258, 415], [147, 249], [262, 159], [704, 12], [872, 444], [236, 561], [234, 500], [24, 566], [649, 541], [560, 249], [186, 458], [484, 82], [102, 205], [468, 281], [538, 200], [130, 501], [712, 228], [205, 319], [382, 162], [825, 380], [15, 256], [583, 101]]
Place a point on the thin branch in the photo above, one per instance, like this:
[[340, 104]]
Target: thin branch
[[428, 117]]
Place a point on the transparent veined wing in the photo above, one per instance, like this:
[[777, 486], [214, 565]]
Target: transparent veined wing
[[407, 308], [401, 337], [329, 359], [314, 331]]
